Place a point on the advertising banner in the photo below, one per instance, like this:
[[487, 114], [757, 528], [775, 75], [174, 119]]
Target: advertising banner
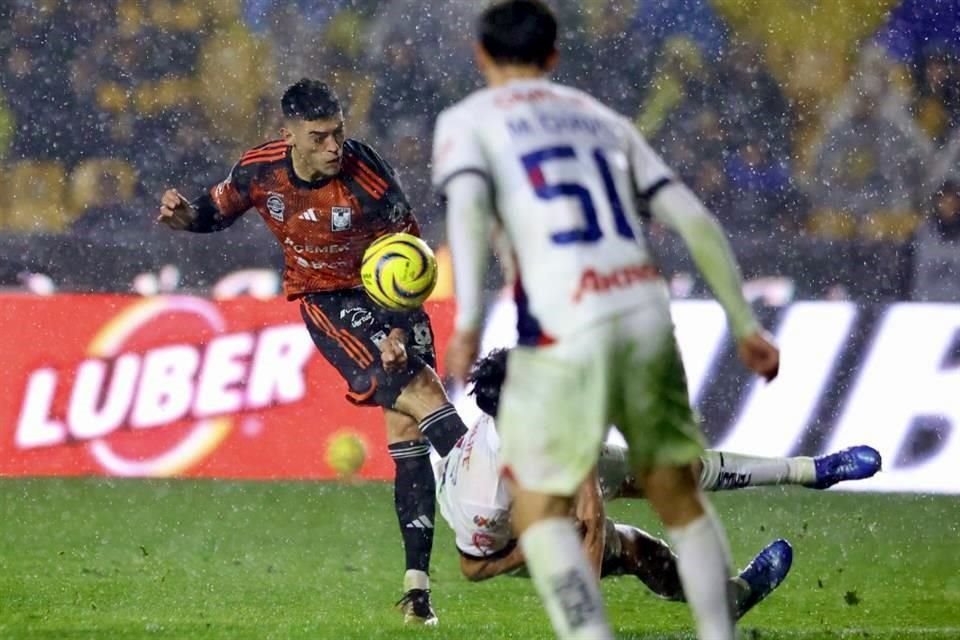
[[183, 386], [167, 386]]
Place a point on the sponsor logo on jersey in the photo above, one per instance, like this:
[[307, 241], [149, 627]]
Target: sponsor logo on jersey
[[486, 523], [484, 542], [358, 316], [310, 215], [340, 218], [275, 206], [593, 281], [315, 248]]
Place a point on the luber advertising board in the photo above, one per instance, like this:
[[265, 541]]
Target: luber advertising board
[[181, 386]]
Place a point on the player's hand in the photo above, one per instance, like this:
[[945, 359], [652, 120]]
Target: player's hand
[[175, 210], [461, 353], [761, 356], [393, 350]]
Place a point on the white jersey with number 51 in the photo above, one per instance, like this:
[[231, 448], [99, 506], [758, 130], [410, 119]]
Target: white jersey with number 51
[[567, 175]]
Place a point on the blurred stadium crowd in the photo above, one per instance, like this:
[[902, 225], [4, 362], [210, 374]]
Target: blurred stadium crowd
[[831, 127]]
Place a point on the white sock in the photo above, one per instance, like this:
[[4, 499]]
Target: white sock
[[703, 562], [723, 470], [567, 586], [414, 579]]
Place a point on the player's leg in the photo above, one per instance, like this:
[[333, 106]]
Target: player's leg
[[631, 551], [414, 501], [659, 426], [425, 401], [346, 328], [422, 396], [637, 553], [723, 470], [719, 470], [703, 558], [550, 436]]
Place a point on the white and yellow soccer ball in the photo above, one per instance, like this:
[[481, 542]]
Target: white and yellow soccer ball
[[399, 271]]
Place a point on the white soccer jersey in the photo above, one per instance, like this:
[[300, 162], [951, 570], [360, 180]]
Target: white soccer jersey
[[566, 174], [471, 495]]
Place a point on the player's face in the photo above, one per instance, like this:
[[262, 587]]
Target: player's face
[[318, 144]]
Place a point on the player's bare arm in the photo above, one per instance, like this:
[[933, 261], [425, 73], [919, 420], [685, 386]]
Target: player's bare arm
[[477, 569], [590, 514]]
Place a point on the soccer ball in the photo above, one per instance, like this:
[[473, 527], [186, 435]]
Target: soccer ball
[[399, 271], [346, 453]]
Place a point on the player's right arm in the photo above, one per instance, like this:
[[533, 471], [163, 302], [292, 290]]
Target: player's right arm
[[461, 175], [673, 204], [215, 210], [476, 569]]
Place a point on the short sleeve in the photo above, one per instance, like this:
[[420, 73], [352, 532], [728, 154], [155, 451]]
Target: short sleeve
[[456, 148], [650, 174], [232, 196]]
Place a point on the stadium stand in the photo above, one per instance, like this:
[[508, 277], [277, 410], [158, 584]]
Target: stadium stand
[[796, 124]]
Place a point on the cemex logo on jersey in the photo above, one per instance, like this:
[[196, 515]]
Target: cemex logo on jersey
[[161, 364], [592, 281]]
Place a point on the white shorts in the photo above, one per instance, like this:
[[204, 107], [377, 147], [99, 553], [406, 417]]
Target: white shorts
[[558, 400]]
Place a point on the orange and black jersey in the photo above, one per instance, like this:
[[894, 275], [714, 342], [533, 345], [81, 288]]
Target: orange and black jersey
[[323, 226]]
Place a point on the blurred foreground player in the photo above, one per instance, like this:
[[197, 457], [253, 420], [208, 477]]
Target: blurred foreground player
[[567, 178], [326, 198]]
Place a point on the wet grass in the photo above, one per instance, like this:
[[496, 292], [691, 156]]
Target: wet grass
[[83, 558]]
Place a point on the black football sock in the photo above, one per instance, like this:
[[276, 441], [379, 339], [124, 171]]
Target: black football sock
[[443, 428], [414, 500]]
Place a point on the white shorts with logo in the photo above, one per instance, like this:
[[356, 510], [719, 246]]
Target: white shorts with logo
[[559, 399]]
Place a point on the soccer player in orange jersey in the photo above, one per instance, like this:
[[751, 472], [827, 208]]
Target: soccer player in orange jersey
[[325, 198]]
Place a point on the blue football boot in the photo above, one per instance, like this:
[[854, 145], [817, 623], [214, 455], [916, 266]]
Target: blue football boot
[[855, 463], [764, 574]]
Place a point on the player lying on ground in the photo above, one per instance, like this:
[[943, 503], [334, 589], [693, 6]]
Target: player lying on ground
[[326, 198], [476, 501]]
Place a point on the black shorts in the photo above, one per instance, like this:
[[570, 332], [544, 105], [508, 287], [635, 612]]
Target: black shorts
[[347, 327]]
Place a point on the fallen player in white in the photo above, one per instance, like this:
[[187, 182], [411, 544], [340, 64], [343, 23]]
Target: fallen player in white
[[475, 501]]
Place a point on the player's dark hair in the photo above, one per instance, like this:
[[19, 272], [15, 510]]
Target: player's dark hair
[[518, 32], [487, 377], [310, 100]]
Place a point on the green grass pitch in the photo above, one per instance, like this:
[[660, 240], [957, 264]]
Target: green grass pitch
[[82, 558]]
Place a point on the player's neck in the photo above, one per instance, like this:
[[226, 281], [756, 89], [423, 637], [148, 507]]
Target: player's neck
[[303, 171], [499, 75]]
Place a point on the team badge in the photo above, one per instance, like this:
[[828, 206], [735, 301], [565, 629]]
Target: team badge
[[340, 218], [275, 206], [421, 334]]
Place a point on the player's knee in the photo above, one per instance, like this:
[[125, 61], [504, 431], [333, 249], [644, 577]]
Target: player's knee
[[401, 428]]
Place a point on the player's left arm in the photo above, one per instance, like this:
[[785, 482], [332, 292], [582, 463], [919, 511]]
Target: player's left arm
[[591, 516], [461, 176]]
